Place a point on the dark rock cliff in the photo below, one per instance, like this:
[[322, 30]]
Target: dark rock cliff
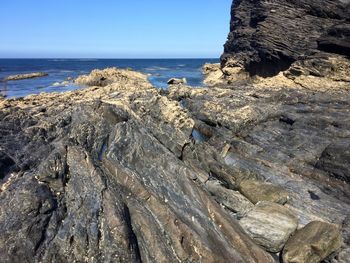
[[267, 37]]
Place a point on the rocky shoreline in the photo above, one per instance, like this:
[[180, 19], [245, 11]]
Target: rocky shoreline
[[114, 172], [251, 168]]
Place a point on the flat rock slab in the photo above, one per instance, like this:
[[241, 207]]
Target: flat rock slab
[[26, 76], [312, 243], [257, 191], [270, 225]]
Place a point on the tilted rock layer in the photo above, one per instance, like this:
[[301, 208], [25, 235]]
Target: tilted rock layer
[[128, 173], [123, 172], [309, 41]]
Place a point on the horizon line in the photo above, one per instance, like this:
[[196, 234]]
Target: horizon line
[[116, 58]]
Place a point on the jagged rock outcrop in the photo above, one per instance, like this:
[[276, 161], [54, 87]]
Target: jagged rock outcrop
[[96, 175], [124, 172], [308, 41]]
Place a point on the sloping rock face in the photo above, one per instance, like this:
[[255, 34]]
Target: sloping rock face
[[306, 40], [127, 173], [97, 175]]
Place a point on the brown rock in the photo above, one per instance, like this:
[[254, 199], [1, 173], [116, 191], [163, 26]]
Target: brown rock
[[312, 243], [257, 191]]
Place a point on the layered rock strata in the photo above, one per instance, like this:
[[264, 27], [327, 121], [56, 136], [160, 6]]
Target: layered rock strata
[[288, 42], [123, 172]]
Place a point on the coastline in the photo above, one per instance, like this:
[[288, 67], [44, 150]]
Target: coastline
[[109, 135]]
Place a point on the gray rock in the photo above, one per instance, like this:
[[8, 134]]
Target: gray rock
[[335, 160], [232, 200], [270, 225], [100, 178], [267, 37]]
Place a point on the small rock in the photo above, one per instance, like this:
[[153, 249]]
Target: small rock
[[270, 225], [56, 84], [257, 191], [312, 243], [232, 200], [69, 79], [175, 81]]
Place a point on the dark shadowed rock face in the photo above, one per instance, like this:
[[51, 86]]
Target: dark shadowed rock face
[[268, 36]]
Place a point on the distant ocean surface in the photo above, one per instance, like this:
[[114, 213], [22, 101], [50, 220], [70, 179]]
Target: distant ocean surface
[[59, 70]]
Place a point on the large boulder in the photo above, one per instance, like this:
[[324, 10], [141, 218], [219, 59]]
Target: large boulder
[[312, 243], [270, 225]]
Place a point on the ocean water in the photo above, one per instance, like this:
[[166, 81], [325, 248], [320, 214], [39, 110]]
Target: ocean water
[[159, 70]]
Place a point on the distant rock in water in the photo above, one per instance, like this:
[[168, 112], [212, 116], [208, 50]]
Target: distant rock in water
[[307, 41], [26, 76], [175, 81], [102, 78]]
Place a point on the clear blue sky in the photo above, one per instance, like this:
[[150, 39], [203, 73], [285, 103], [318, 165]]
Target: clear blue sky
[[113, 28]]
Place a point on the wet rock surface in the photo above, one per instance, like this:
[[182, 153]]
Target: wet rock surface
[[124, 172]]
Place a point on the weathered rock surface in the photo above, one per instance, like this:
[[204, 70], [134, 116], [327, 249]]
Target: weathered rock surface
[[257, 191], [122, 172], [270, 225], [113, 168], [312, 244], [273, 135], [102, 78], [213, 74], [232, 200], [307, 40], [26, 76], [97, 176]]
